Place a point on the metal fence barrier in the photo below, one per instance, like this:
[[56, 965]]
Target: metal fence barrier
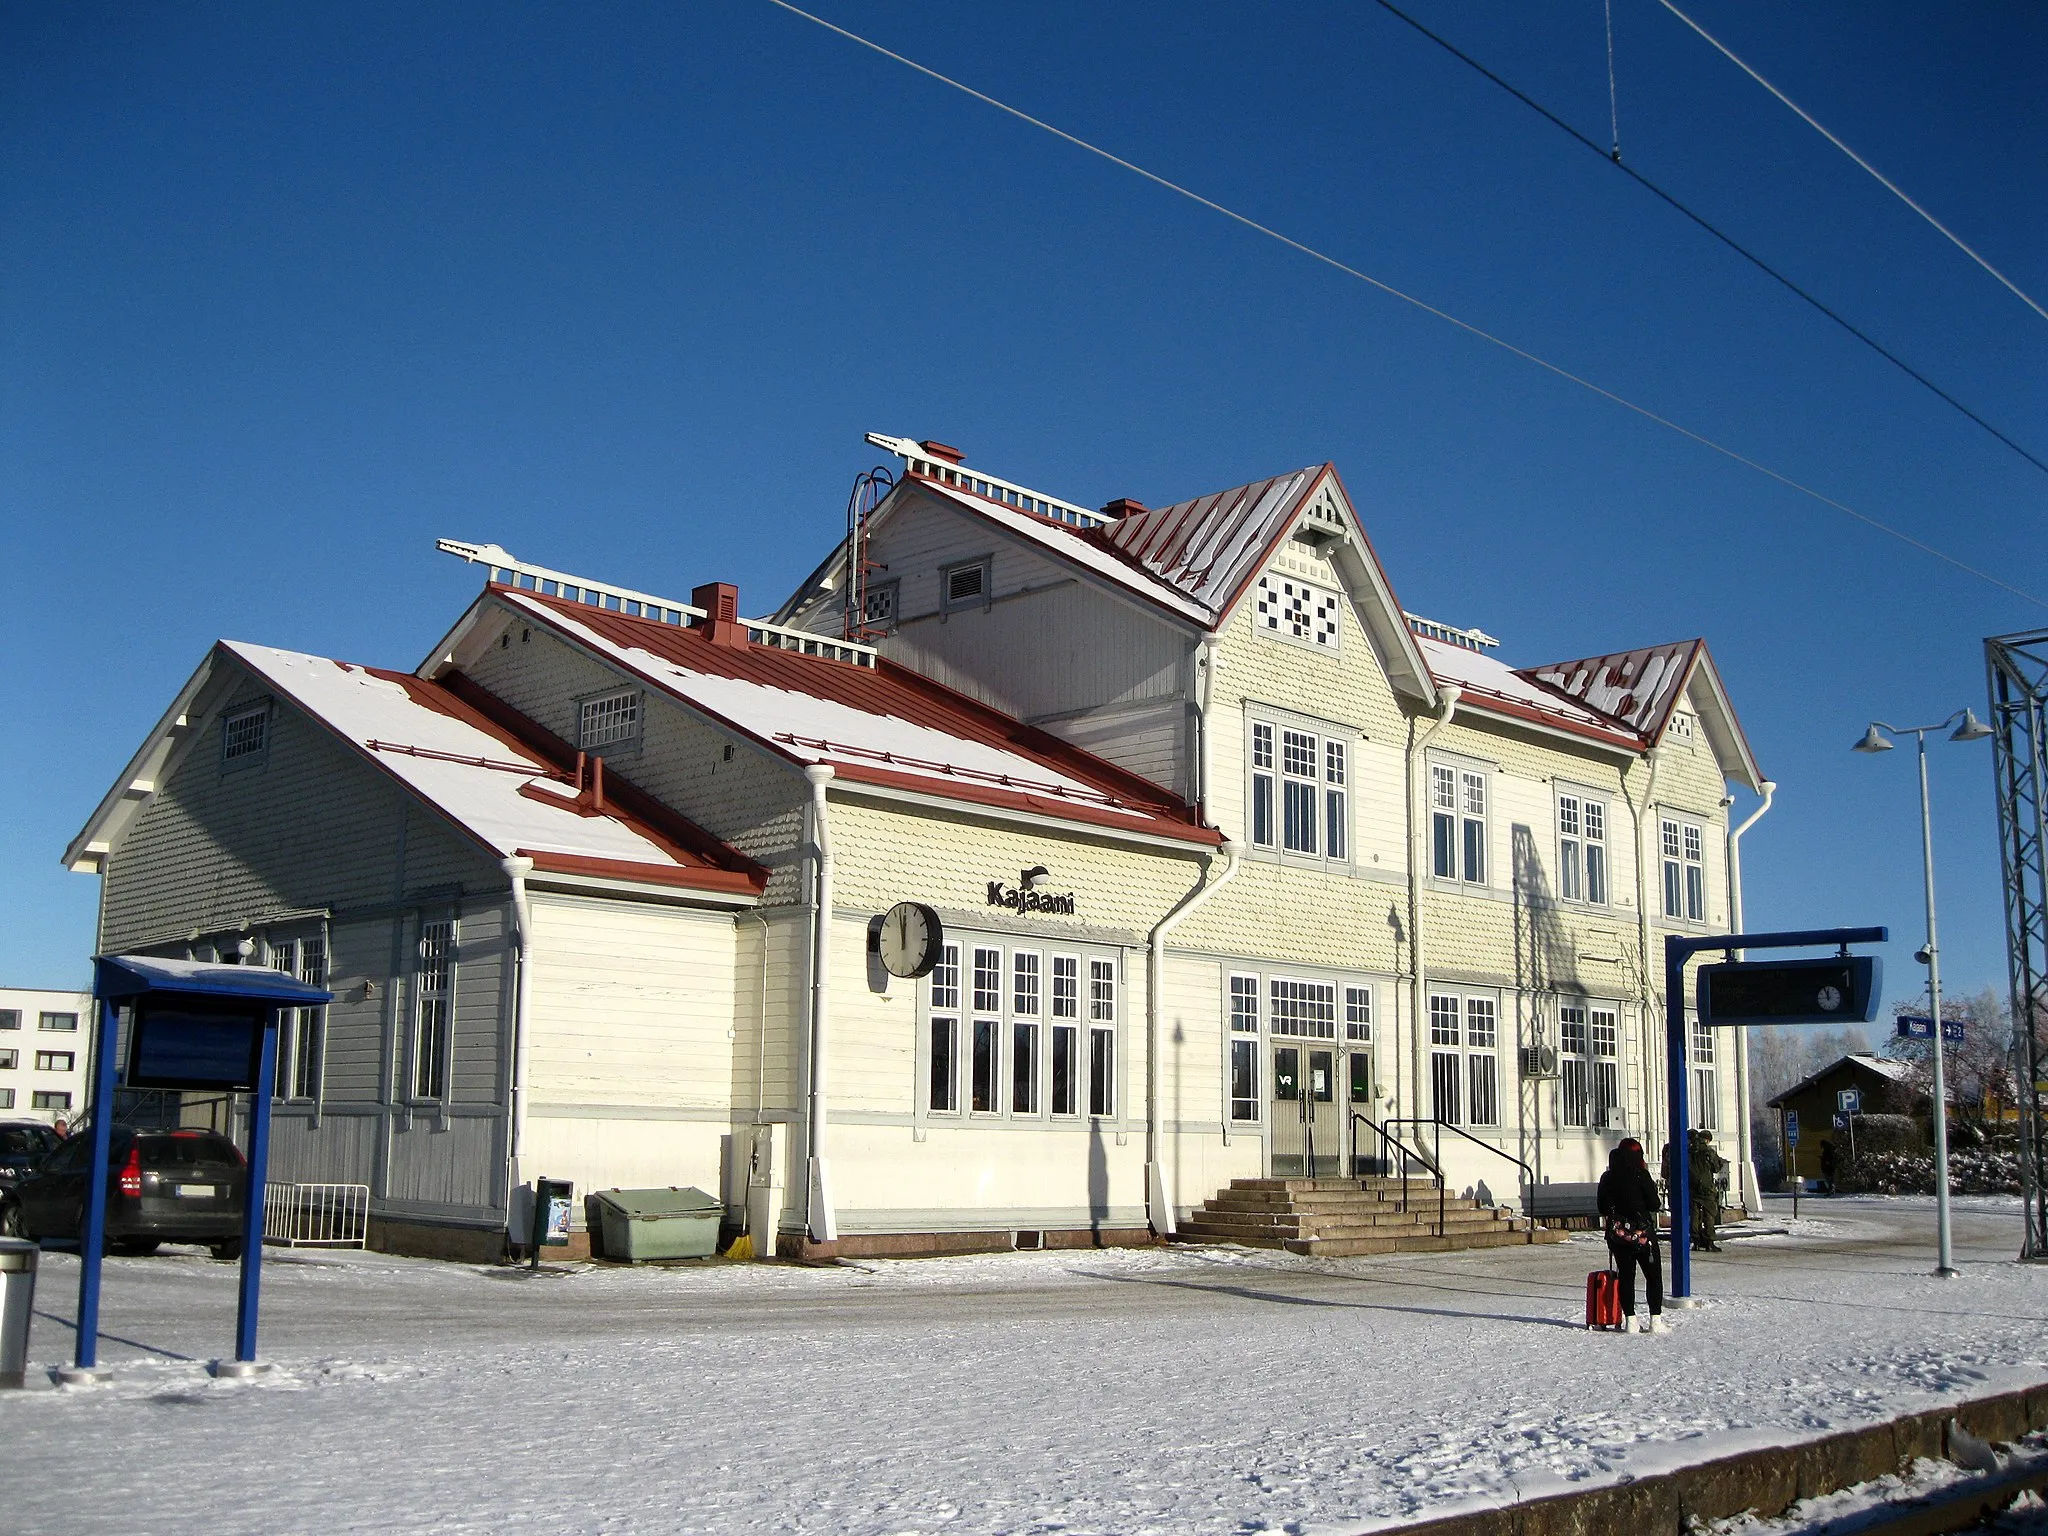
[[316, 1215]]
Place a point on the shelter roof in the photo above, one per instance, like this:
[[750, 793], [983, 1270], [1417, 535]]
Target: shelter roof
[[130, 975], [882, 724]]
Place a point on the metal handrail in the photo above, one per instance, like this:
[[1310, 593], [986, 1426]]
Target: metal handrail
[[1442, 1125], [1407, 1152]]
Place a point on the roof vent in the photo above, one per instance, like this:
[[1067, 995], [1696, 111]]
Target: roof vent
[[720, 601], [943, 451], [1123, 506]]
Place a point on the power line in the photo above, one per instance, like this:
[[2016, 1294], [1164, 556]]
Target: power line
[[1881, 178], [1726, 239], [1408, 298]]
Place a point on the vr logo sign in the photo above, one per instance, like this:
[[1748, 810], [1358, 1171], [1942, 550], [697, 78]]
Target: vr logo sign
[[1843, 989]]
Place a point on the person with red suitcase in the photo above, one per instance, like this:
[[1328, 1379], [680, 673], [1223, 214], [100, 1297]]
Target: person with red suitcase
[[1628, 1205]]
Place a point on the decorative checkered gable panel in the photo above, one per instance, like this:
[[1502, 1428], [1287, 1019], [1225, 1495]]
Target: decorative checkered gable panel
[[1297, 611]]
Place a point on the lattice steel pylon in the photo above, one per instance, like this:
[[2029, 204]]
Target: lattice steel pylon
[[2018, 667]]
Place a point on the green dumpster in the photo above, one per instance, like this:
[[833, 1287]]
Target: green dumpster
[[643, 1224]]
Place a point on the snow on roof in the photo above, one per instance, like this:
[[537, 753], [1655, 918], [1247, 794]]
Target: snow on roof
[[1639, 687], [1486, 680], [1889, 1067], [482, 778], [882, 724], [1211, 546]]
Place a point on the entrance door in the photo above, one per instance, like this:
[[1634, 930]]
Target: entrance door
[[1305, 1120]]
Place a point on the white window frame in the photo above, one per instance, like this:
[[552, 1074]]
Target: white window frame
[[1063, 1008], [1706, 1106], [611, 721], [1585, 872], [1461, 1066], [433, 1010], [981, 599], [1298, 788], [301, 1032], [1589, 1077], [245, 736], [1682, 846], [1244, 1050], [943, 1017], [1298, 612], [882, 605], [1460, 823]]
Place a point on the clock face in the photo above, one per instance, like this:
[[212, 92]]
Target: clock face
[[910, 939], [1830, 999]]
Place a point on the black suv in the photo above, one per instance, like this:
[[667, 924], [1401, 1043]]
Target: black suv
[[179, 1186], [23, 1144]]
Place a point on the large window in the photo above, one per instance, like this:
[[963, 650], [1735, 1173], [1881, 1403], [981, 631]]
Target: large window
[[1010, 1035], [1588, 1040], [1244, 1048], [433, 1010], [1685, 870], [1300, 791], [1582, 849], [1457, 798], [1464, 1058], [301, 1032], [1705, 1102], [1303, 1009]]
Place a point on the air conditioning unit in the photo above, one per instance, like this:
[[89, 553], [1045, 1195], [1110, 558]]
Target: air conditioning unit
[[1538, 1061]]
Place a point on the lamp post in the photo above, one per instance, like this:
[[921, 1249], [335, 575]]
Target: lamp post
[[1971, 729]]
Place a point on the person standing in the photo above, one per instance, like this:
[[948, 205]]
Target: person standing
[[1827, 1167], [1628, 1205], [1704, 1185]]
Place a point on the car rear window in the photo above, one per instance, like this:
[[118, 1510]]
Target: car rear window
[[187, 1149], [25, 1138]]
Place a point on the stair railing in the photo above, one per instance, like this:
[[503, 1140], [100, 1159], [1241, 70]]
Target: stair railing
[[1442, 1125], [1396, 1144]]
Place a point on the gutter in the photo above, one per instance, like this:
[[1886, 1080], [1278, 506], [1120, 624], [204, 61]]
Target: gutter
[[819, 1218], [1418, 821], [518, 867], [1647, 832], [1747, 1152], [1158, 1206]]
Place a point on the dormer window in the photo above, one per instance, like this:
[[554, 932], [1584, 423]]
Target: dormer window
[[1295, 610], [964, 586]]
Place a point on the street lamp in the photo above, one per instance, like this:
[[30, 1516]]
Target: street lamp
[[1971, 729]]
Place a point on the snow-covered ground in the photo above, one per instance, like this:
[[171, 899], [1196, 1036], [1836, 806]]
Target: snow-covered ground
[[1184, 1390]]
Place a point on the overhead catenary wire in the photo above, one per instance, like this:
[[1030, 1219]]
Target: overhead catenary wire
[[1418, 303], [1884, 181], [1719, 234]]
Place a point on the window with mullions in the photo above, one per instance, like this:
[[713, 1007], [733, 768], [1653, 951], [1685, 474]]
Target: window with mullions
[[1300, 791], [1024, 1005], [1010, 1035], [300, 1031], [1457, 798], [1582, 849], [1705, 1102], [943, 1091], [1587, 1079], [1358, 1013], [243, 736], [984, 1065], [434, 986], [1063, 1077], [1464, 1060], [1685, 870], [1302, 1009], [609, 721], [1101, 1037], [1244, 1048]]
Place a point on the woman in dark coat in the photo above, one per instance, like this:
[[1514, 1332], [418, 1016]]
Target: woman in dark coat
[[1628, 1210]]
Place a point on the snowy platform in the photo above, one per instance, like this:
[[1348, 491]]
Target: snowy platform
[[1185, 1390]]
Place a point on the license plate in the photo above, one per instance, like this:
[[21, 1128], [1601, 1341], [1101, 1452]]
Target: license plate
[[199, 1191]]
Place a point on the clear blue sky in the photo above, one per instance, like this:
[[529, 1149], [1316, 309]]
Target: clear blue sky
[[287, 292]]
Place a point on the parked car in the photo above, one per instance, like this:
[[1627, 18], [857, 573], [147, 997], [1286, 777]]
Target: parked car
[[180, 1186], [22, 1145]]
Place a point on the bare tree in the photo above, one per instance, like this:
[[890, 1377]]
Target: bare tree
[[1978, 1068]]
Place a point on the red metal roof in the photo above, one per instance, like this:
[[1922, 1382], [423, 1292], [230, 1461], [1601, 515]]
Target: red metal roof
[[1211, 546]]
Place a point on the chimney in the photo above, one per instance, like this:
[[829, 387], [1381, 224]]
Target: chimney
[[942, 451], [720, 601], [1123, 506]]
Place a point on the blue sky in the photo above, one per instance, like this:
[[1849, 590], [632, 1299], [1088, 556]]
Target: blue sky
[[286, 293]]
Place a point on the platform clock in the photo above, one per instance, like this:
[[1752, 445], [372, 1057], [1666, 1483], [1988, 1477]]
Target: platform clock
[[910, 939]]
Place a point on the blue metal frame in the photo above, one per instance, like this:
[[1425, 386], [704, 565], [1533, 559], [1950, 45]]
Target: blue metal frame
[[1678, 1059], [137, 978]]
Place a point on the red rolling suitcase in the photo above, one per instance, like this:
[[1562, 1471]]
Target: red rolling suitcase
[[1603, 1299]]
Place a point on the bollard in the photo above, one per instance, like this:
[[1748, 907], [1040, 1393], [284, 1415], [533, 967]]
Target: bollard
[[18, 1261]]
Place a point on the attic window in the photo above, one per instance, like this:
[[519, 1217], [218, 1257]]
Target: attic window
[[1296, 611], [243, 735], [607, 721], [966, 586], [1681, 726]]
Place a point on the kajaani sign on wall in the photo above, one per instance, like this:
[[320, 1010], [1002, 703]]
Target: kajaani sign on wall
[[1019, 898]]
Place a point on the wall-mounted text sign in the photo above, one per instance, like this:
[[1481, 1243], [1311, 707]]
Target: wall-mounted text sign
[[1019, 899]]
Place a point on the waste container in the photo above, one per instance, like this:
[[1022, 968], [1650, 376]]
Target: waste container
[[17, 1305], [642, 1224]]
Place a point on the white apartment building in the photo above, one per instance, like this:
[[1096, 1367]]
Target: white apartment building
[[45, 1038]]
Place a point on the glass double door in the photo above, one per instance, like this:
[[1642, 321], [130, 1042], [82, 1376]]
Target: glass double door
[[1308, 1117]]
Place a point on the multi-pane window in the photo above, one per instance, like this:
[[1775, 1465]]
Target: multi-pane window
[[1685, 870], [1300, 791], [1009, 1036], [63, 1023], [300, 1031], [1303, 1009], [878, 605], [1582, 849], [1705, 1103], [1358, 1013], [46, 1099], [608, 721], [56, 1061], [1295, 610], [1244, 1048], [1457, 799], [1588, 1041], [243, 734], [1464, 1061], [433, 1010], [944, 1092]]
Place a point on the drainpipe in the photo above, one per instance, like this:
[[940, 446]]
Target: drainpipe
[[1158, 1207], [820, 1219], [1751, 1185], [1418, 838], [1212, 658], [1646, 859], [518, 868]]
